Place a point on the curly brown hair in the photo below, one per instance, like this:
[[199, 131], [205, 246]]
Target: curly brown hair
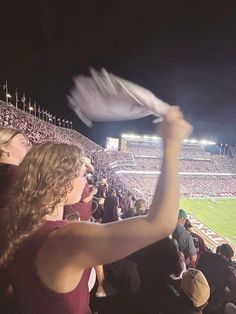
[[43, 181]]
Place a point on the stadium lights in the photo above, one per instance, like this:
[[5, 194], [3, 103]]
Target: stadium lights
[[135, 136], [150, 137], [31, 108], [202, 142], [193, 141], [205, 142], [131, 136]]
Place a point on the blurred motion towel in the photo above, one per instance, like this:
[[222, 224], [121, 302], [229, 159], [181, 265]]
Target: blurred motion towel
[[106, 97]]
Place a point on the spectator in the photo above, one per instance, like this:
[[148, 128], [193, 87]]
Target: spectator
[[98, 214], [220, 278], [102, 188], [139, 208], [120, 196], [111, 207], [83, 209], [185, 240], [197, 240], [84, 206], [194, 294], [226, 251], [128, 202], [13, 148], [38, 246]]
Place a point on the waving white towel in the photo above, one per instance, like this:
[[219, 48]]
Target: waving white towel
[[106, 97]]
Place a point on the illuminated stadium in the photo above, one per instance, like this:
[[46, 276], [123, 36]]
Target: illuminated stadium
[[208, 180], [133, 162]]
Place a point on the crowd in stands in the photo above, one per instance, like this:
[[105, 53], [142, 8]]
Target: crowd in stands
[[188, 165], [176, 275], [193, 158], [212, 185], [146, 157], [155, 149], [145, 148], [191, 185]]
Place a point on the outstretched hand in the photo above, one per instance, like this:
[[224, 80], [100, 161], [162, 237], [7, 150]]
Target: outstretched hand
[[174, 126]]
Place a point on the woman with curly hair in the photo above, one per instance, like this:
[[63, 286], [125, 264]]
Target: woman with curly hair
[[47, 259]]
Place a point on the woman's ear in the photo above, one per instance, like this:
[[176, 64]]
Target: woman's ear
[[4, 149]]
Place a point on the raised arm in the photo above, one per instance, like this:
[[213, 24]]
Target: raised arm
[[87, 244]]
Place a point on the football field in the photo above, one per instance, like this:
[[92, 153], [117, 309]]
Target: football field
[[217, 214]]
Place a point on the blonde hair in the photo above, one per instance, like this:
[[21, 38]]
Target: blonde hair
[[43, 181], [6, 135], [140, 203]]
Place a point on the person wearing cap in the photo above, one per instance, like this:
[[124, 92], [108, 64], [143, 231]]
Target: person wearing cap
[[193, 295], [197, 239], [194, 288], [185, 240]]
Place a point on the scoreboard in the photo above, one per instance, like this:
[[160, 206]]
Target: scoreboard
[[112, 143]]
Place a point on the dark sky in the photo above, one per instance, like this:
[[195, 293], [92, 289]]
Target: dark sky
[[184, 51]]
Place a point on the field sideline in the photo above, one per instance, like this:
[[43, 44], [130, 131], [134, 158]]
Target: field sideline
[[219, 215]]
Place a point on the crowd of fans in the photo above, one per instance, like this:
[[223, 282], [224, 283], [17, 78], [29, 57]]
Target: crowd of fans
[[146, 158], [191, 185], [155, 149], [176, 275], [193, 158], [187, 165]]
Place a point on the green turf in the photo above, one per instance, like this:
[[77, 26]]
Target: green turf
[[219, 215]]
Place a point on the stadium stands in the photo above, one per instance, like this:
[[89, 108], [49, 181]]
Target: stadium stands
[[203, 174]]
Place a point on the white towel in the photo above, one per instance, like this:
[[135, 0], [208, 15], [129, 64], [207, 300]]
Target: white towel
[[106, 97]]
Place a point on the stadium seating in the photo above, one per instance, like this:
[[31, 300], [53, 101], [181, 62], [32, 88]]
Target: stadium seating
[[144, 156]]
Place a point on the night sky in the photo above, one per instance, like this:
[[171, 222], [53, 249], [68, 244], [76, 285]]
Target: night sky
[[184, 51]]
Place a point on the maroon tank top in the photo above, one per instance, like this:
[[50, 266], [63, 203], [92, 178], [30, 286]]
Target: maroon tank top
[[32, 296]]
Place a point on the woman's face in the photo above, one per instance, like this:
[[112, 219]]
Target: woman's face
[[78, 185], [18, 148]]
